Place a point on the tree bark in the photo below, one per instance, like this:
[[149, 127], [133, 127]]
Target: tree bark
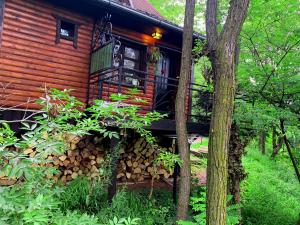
[[236, 172], [262, 142], [286, 142], [278, 146], [277, 142], [180, 117], [222, 55]]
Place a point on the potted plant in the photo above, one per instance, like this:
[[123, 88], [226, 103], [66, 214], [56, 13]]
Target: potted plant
[[153, 54]]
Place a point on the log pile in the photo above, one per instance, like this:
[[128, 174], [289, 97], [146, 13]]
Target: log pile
[[137, 162], [86, 157]]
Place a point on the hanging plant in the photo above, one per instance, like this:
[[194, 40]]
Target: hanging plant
[[153, 54]]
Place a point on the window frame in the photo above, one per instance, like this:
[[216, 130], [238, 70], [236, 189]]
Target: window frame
[[141, 62], [59, 36]]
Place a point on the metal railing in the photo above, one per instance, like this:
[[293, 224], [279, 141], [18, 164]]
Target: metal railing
[[159, 89]]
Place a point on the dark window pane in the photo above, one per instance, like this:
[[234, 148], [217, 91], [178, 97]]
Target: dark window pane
[[67, 29]]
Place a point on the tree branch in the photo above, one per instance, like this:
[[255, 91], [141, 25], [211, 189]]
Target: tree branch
[[235, 19], [211, 24]]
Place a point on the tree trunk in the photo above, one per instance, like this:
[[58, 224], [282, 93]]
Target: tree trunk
[[277, 147], [222, 55], [181, 130], [274, 137], [262, 142], [286, 142], [236, 172], [219, 138]]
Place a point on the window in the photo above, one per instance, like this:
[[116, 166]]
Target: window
[[66, 29], [133, 63]]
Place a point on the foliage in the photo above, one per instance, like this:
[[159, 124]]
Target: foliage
[[83, 195], [168, 160], [123, 115], [198, 203], [271, 192], [37, 200], [158, 210], [124, 221], [153, 54], [268, 72]]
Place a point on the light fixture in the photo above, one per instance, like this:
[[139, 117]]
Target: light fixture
[[157, 35]]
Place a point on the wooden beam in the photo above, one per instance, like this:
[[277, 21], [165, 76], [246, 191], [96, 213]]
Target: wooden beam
[[175, 175], [112, 187]]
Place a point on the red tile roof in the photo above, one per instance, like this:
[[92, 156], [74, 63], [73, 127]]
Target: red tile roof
[[144, 5]]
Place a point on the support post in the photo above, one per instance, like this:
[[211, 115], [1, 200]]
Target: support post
[[175, 174], [112, 186]]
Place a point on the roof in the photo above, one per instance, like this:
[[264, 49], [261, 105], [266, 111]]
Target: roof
[[145, 6]]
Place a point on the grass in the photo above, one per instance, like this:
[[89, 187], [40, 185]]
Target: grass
[[159, 210], [81, 195], [197, 145], [270, 193]]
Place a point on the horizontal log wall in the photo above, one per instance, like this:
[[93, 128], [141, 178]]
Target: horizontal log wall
[[30, 59]]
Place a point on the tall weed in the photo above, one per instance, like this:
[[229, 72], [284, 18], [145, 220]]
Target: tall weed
[[271, 192]]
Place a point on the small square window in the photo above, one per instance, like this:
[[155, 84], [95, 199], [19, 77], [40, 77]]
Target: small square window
[[66, 29]]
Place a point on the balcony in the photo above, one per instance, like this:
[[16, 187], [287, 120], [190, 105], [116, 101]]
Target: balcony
[[158, 92]]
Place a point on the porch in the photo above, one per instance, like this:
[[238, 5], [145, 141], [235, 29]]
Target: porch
[[119, 64]]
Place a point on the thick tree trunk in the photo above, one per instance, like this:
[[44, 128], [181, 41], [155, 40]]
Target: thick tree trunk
[[219, 138], [223, 57], [236, 172], [181, 130], [262, 142]]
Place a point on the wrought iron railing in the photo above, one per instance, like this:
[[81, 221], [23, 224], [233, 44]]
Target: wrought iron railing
[[160, 90]]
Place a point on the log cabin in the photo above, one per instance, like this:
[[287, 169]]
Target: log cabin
[[95, 48]]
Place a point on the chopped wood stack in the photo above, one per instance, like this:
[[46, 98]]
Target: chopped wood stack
[[85, 158], [87, 155], [137, 163]]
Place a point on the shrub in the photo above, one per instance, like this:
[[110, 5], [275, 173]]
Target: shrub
[[159, 210]]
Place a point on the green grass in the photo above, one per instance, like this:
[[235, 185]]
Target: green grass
[[82, 195], [204, 143], [270, 193], [159, 210]]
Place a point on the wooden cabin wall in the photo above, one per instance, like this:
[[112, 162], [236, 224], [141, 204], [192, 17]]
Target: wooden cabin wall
[[30, 59]]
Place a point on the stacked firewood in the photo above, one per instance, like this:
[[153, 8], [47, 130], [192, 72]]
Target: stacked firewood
[[86, 157], [137, 162]]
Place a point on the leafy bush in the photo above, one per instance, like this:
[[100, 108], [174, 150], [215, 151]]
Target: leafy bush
[[271, 192], [159, 210], [34, 199], [198, 203], [83, 195]]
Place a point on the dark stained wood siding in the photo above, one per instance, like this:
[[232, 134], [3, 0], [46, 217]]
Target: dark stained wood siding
[[2, 3], [30, 59]]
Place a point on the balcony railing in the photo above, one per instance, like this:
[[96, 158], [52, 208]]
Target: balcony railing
[[159, 91]]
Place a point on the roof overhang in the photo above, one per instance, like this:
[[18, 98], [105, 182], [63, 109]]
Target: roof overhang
[[128, 17]]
